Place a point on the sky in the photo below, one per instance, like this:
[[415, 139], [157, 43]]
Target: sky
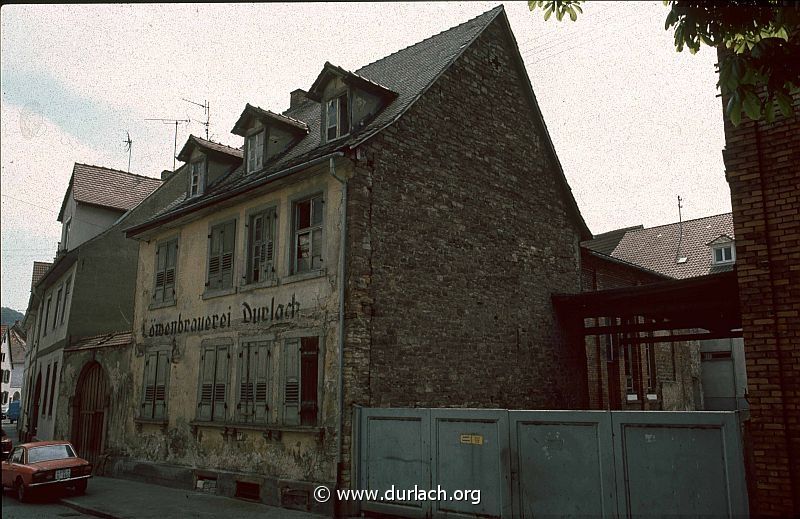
[[634, 123]]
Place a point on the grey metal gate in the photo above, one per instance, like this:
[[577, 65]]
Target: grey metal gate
[[540, 463]]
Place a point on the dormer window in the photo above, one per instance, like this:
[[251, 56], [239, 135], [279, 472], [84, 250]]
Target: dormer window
[[724, 254], [197, 177], [337, 120], [255, 152]]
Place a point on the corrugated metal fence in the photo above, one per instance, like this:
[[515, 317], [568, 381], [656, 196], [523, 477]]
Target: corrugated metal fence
[[540, 463]]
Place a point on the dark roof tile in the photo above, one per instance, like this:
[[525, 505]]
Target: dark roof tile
[[40, 268]]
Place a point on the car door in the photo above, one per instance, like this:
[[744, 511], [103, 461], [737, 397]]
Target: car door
[[10, 466]]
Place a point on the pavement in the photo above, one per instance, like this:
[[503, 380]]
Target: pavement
[[113, 498]]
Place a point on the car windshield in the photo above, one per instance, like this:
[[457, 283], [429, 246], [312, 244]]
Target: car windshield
[[50, 452]]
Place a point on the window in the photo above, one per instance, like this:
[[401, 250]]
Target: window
[[46, 386], [197, 177], [220, 255], [255, 152], [253, 375], [66, 298], [67, 225], [307, 235], [724, 254], [166, 260], [261, 245], [300, 381], [212, 403], [52, 389], [55, 310], [5, 397], [631, 369], [337, 120], [650, 353], [46, 316], [154, 392]]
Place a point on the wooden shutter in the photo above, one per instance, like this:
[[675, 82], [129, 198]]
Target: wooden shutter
[[244, 408], [221, 384], [169, 270], [291, 382], [228, 244], [259, 372], [309, 353], [161, 262], [205, 398], [150, 365], [160, 385], [215, 258]]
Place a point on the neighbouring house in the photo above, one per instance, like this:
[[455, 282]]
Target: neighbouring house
[[392, 239], [683, 250], [761, 165], [12, 362], [39, 269], [88, 291]]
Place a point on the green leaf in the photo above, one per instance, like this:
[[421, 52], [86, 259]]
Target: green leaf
[[548, 13], [769, 110], [572, 14], [559, 14], [671, 19], [784, 103], [734, 110], [752, 106]]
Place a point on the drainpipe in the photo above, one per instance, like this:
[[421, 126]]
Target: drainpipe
[[342, 274]]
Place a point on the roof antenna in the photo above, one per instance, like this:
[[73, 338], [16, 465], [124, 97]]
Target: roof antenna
[[175, 122], [128, 146], [206, 110], [678, 258]]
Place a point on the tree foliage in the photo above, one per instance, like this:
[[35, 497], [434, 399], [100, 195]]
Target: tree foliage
[[759, 62]]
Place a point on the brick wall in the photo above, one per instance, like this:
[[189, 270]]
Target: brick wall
[[461, 230], [762, 163]]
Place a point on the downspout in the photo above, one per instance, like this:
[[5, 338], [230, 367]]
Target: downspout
[[341, 283]]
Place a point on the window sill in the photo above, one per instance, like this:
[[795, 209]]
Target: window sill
[[651, 396], [163, 304], [211, 294], [303, 276], [633, 398], [161, 423], [261, 284]]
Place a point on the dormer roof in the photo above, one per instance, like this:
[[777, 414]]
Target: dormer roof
[[222, 151], [251, 112], [351, 78], [723, 238]]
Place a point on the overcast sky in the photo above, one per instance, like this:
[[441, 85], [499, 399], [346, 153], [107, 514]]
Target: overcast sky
[[634, 123]]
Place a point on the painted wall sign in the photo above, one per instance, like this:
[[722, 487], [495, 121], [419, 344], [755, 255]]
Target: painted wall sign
[[251, 314]]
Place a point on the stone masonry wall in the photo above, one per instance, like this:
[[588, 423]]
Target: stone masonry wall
[[461, 232], [762, 166]]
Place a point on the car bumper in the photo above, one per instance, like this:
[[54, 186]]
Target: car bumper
[[59, 481]]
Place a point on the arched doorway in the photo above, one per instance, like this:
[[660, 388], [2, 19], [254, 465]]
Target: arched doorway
[[89, 407]]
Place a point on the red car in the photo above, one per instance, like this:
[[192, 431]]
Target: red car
[[45, 464], [5, 446]]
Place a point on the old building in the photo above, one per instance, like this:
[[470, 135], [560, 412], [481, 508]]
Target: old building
[[392, 239], [87, 291], [761, 165], [12, 362], [682, 250]]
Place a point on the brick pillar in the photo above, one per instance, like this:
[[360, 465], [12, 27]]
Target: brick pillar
[[762, 163]]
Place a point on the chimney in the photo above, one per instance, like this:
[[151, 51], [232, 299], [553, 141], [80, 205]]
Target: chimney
[[297, 97], [166, 174]]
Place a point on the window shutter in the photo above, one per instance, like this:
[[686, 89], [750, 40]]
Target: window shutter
[[221, 384], [291, 382], [160, 386], [149, 389], [226, 268], [161, 261], [260, 373], [215, 259], [269, 244], [207, 360], [309, 353], [245, 397], [257, 247]]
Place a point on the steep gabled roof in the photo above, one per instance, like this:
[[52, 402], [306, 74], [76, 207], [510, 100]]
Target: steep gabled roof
[[209, 146], [40, 268], [656, 248], [408, 73], [329, 70], [606, 242], [106, 187], [250, 111]]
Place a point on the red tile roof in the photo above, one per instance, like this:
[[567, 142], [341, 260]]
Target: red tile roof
[[40, 268], [656, 248], [103, 341], [108, 187]]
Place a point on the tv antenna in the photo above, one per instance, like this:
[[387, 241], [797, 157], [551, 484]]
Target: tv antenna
[[206, 110], [175, 122], [128, 147], [678, 257]]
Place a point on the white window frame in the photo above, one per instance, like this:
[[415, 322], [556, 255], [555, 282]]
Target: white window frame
[[721, 247], [310, 230], [197, 181], [255, 151], [333, 117]]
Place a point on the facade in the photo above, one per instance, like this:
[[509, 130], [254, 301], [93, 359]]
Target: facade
[[87, 291], [12, 363], [367, 247], [761, 167]]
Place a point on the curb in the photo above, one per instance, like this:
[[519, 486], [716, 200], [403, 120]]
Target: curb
[[86, 510]]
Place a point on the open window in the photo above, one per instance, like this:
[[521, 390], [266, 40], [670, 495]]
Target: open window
[[337, 117]]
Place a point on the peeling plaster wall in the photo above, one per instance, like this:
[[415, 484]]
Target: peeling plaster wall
[[302, 453]]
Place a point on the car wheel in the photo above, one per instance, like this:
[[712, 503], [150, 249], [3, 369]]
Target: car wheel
[[23, 494], [80, 486]]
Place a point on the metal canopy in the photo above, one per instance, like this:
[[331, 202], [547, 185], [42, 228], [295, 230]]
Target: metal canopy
[[673, 310]]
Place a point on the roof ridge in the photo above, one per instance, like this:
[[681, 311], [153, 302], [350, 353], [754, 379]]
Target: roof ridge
[[193, 136], [498, 9], [682, 222], [116, 170]]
